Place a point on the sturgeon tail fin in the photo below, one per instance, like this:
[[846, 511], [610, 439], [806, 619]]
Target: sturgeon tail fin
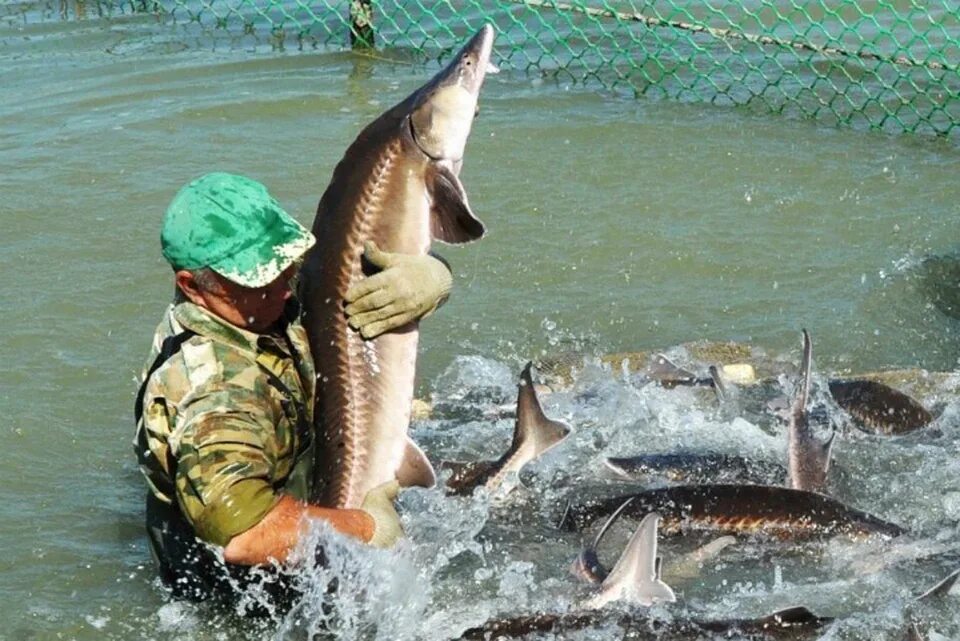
[[635, 577], [533, 429]]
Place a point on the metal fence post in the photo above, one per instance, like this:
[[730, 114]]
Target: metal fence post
[[361, 24]]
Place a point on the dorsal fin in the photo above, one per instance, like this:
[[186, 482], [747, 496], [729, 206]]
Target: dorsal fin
[[634, 577], [533, 427]]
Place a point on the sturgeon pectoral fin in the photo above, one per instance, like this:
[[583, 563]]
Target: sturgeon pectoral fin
[[451, 219], [635, 577], [689, 565], [415, 469]]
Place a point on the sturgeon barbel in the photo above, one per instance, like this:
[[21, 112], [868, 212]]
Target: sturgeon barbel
[[397, 185]]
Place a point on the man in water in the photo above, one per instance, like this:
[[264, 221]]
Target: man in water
[[225, 413]]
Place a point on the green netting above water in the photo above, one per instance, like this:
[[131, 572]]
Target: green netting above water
[[890, 65]]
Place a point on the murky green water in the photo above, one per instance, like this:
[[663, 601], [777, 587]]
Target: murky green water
[[613, 225]]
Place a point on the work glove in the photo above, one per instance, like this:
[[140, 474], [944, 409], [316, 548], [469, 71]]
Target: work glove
[[386, 522], [410, 287]]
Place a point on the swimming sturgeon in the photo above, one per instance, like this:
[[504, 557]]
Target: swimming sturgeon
[[636, 576], [589, 568], [808, 460], [693, 467], [791, 623], [879, 409], [533, 435], [636, 580], [397, 185], [778, 512]]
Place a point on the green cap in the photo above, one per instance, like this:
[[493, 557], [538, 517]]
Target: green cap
[[231, 224]]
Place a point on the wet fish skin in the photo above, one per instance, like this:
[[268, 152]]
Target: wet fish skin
[[808, 460], [689, 468], [879, 409], [790, 624], [777, 512], [587, 565], [533, 435], [636, 577], [397, 185]]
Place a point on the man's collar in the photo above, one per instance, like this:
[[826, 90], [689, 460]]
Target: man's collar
[[205, 323]]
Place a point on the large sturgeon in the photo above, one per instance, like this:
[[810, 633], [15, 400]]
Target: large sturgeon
[[398, 186], [778, 512]]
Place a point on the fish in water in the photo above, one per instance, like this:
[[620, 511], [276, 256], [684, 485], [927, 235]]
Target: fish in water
[[778, 512], [533, 434], [636, 580], [792, 623], [560, 369], [636, 576], [690, 467], [808, 459], [397, 185], [588, 567], [669, 375], [879, 409]]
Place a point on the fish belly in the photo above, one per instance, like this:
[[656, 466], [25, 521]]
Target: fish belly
[[387, 366]]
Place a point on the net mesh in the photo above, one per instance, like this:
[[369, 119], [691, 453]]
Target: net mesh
[[888, 65]]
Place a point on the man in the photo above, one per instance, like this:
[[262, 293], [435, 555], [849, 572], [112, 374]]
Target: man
[[225, 413]]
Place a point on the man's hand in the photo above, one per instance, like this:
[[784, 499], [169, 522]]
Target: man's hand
[[379, 505], [409, 288]]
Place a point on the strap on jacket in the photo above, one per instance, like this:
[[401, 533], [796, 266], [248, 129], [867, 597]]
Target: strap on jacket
[[170, 346]]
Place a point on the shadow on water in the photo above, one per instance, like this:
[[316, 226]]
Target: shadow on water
[[939, 282]]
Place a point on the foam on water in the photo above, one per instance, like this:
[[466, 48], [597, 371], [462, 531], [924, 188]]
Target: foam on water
[[469, 559]]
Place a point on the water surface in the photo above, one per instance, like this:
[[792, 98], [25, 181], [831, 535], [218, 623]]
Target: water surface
[[614, 225]]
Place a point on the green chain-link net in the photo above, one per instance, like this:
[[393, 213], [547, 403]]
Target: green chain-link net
[[891, 65]]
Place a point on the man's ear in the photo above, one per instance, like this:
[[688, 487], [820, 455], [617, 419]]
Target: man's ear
[[187, 284]]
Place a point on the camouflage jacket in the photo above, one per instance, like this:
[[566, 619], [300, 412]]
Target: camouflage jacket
[[225, 421]]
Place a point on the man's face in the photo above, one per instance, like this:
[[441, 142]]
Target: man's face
[[254, 309]]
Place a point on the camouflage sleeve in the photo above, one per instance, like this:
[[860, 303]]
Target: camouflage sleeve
[[226, 462]]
